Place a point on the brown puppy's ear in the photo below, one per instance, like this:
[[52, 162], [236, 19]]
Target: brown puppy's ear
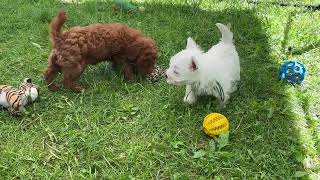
[[193, 65]]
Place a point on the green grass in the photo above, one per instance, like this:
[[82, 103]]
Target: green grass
[[121, 130]]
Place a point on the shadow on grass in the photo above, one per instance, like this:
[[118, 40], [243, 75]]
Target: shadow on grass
[[263, 142], [263, 134]]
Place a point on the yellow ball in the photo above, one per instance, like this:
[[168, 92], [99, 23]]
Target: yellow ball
[[215, 124]]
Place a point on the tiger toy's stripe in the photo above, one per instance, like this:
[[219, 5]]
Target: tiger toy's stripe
[[15, 99], [14, 96]]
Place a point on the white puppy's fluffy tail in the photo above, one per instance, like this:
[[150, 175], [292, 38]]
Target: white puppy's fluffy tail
[[227, 35]]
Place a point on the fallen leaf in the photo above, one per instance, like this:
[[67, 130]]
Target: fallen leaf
[[199, 154], [36, 45]]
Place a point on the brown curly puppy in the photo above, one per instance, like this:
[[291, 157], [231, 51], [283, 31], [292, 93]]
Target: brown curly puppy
[[127, 49]]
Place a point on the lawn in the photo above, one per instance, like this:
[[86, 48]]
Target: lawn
[[139, 130]]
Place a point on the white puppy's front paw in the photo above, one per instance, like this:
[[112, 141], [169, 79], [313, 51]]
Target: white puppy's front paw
[[189, 99]]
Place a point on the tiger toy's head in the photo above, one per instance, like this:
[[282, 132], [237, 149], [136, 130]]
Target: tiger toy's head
[[156, 75], [31, 90]]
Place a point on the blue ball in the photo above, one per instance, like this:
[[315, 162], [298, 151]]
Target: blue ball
[[293, 72]]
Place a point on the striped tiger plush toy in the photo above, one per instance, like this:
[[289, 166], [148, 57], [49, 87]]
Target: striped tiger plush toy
[[15, 99]]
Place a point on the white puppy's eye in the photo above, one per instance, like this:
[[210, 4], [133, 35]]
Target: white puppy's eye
[[175, 70]]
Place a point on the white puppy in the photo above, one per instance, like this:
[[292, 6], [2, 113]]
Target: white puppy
[[215, 72]]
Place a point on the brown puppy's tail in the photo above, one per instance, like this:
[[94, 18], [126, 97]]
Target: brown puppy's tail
[[56, 25]]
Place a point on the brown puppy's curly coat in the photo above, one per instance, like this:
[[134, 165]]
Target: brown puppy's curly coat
[[73, 50]]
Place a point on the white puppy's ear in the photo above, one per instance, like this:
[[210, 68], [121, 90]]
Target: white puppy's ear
[[229, 25], [194, 64], [191, 44]]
